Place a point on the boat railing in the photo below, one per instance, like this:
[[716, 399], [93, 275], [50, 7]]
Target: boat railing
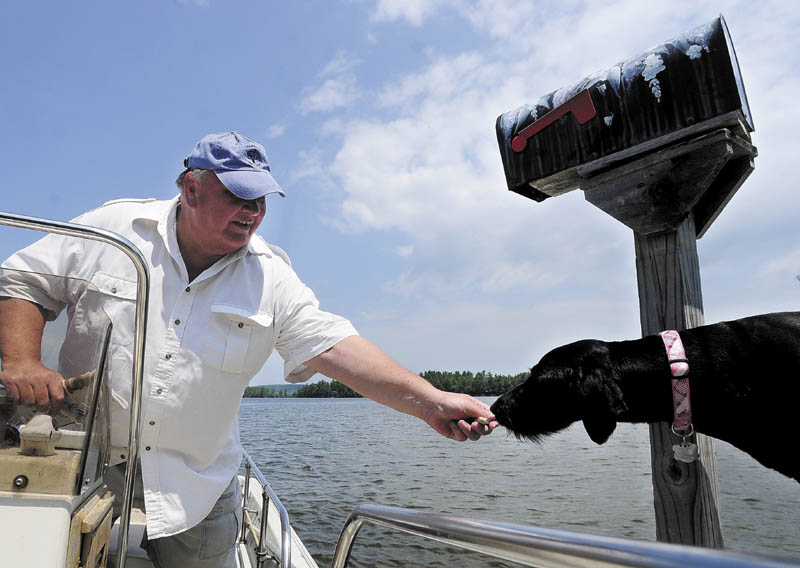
[[140, 327], [532, 546], [262, 551]]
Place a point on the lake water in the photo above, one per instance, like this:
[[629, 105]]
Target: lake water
[[323, 457]]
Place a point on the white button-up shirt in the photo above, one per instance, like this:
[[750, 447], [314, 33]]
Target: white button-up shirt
[[206, 339]]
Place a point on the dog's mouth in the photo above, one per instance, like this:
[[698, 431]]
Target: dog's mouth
[[503, 412], [500, 412], [524, 426]]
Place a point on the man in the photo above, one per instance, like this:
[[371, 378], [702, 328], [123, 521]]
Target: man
[[221, 300]]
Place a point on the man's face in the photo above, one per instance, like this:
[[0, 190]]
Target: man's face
[[223, 222]]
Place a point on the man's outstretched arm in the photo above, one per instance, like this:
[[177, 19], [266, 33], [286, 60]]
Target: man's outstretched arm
[[364, 367]]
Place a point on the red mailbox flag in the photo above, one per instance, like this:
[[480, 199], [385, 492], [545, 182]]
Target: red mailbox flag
[[580, 106]]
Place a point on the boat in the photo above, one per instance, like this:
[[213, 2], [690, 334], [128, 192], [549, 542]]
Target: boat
[[56, 509]]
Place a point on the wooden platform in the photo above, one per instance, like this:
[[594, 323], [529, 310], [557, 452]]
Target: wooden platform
[[52, 475]]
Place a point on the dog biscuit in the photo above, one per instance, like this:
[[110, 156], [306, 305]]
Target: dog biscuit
[[483, 420]]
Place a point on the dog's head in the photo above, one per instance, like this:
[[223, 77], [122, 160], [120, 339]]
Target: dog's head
[[570, 383]]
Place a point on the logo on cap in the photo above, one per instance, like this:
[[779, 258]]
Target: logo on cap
[[254, 156]]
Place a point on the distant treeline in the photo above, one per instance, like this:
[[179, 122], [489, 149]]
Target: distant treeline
[[482, 383]]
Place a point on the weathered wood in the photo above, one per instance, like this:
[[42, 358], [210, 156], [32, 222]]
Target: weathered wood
[[656, 192], [96, 513], [38, 437], [54, 475], [94, 548], [75, 535], [732, 121], [89, 533], [686, 495], [713, 202]]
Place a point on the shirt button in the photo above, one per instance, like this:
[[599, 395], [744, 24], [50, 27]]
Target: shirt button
[[187, 289], [167, 356], [158, 391], [152, 423], [122, 456], [113, 290], [241, 325], [147, 448], [177, 322]]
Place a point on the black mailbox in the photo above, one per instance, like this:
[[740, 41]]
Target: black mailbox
[[677, 90]]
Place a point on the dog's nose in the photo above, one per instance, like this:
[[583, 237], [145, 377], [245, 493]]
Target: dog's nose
[[499, 409]]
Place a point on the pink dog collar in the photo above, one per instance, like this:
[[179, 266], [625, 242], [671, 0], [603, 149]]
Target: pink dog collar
[[680, 381]]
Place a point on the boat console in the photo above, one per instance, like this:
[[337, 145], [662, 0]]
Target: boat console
[[52, 463]]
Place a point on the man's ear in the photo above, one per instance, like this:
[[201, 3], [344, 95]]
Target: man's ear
[[190, 189], [602, 401]]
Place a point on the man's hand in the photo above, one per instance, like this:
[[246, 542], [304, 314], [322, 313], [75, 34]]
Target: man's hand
[[451, 417], [25, 378], [32, 384]]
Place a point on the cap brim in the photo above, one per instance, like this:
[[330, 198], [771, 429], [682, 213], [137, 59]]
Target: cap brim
[[248, 184]]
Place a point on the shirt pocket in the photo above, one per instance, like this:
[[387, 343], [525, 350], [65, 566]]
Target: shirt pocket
[[240, 339], [116, 297]]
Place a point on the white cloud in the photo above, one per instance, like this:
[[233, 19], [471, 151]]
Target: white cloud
[[404, 251], [436, 160], [412, 11], [276, 131], [507, 19], [340, 64], [338, 87], [786, 266], [332, 94], [310, 168], [508, 275], [439, 82]]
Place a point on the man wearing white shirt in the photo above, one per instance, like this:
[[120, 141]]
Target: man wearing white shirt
[[221, 300]]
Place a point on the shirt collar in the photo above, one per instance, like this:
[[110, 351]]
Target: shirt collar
[[257, 245], [165, 215]]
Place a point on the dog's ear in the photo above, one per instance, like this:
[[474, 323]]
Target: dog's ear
[[602, 402]]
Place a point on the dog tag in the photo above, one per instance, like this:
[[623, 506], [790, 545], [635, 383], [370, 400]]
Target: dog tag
[[685, 452]]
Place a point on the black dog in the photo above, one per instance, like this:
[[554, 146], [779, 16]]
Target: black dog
[[744, 378]]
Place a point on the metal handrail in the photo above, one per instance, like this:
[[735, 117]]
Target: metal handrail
[[544, 548], [140, 326], [266, 494]]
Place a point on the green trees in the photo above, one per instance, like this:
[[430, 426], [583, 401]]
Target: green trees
[[482, 383], [264, 391], [326, 389]]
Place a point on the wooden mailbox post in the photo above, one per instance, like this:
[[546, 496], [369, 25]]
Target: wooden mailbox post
[[661, 142]]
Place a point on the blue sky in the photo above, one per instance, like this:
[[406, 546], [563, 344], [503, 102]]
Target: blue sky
[[378, 119]]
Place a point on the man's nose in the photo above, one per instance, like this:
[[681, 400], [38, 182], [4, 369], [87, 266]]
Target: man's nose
[[256, 205]]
